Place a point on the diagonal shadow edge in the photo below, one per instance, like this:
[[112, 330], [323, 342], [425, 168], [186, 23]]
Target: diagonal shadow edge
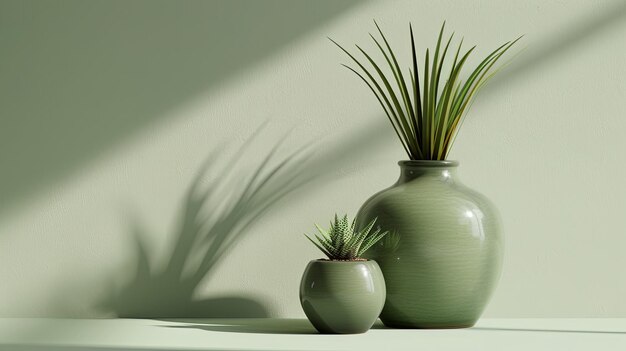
[[104, 83], [552, 49]]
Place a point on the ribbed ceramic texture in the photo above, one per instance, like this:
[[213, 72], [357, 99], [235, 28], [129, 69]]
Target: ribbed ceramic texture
[[443, 258], [343, 297]]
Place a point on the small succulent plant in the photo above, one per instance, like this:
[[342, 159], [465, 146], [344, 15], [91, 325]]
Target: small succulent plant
[[342, 243]]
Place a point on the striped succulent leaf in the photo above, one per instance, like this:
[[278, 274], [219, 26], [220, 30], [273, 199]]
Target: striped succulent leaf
[[341, 243]]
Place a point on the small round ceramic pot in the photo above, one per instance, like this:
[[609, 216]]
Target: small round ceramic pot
[[342, 297]]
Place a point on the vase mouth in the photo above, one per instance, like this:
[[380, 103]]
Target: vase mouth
[[428, 163], [326, 260]]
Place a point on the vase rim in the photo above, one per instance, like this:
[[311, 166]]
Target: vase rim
[[325, 260], [428, 163]]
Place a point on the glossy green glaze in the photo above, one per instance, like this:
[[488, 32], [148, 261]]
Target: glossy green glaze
[[342, 297], [442, 260]]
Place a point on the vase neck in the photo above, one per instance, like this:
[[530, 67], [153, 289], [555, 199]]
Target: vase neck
[[438, 170]]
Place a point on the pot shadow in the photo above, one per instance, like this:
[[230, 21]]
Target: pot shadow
[[213, 219], [379, 325], [296, 326]]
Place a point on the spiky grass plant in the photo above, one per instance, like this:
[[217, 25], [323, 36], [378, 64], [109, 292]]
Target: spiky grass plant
[[342, 243], [427, 117]]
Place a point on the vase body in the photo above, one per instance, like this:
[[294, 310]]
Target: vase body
[[442, 258], [342, 297]]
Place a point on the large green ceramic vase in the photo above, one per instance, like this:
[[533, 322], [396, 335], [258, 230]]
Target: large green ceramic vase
[[342, 297], [443, 257]]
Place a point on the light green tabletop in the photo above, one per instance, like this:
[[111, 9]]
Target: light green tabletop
[[297, 334]]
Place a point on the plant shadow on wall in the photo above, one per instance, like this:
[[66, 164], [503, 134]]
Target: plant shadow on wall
[[214, 217]]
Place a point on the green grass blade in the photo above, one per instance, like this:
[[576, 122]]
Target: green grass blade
[[416, 88], [446, 96], [434, 77], [480, 72], [483, 70], [399, 78], [442, 150], [426, 110], [440, 66], [441, 125], [470, 81], [394, 99], [400, 82], [394, 125], [369, 75], [405, 137]]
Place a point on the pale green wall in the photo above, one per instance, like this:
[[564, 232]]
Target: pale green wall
[[108, 108]]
